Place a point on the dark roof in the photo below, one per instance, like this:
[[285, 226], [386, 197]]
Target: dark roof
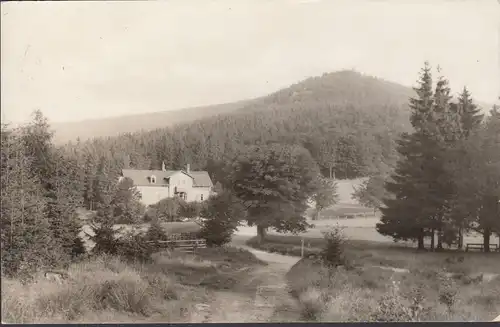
[[141, 177]]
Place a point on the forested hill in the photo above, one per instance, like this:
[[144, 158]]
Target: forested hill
[[349, 123], [333, 88]]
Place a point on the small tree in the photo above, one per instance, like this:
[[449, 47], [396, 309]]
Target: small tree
[[127, 207], [333, 252], [223, 213], [156, 232], [104, 233], [325, 196]]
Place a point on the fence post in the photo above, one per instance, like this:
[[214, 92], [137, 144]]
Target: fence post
[[302, 248]]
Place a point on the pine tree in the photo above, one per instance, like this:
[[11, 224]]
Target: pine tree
[[406, 215], [103, 184], [443, 133], [26, 238], [88, 185], [470, 114], [477, 176]]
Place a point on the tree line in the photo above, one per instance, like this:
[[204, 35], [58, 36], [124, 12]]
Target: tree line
[[447, 180]]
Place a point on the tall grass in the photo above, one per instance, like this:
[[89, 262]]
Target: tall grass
[[107, 289], [372, 294]]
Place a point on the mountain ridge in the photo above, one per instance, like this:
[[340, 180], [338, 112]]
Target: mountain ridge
[[326, 89]]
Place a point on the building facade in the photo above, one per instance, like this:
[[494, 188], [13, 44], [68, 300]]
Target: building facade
[[155, 185]]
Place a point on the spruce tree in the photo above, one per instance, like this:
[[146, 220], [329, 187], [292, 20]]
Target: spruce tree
[[469, 113], [477, 176], [404, 216], [419, 183]]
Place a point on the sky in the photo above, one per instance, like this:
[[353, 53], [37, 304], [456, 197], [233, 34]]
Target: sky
[[87, 60]]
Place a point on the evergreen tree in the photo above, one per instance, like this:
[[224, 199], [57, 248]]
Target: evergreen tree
[[103, 184], [406, 215], [126, 203], [476, 171], [26, 238], [470, 114]]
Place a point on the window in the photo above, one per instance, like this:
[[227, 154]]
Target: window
[[201, 196], [153, 179]]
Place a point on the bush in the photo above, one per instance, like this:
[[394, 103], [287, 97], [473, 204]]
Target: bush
[[156, 232], [190, 209], [135, 248], [333, 252], [222, 213], [165, 210]]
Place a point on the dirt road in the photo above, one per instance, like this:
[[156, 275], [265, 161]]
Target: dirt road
[[270, 303]]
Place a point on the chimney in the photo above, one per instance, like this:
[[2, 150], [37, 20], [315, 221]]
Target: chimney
[[188, 168], [163, 166]]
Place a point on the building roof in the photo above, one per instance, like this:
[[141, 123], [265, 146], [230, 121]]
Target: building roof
[[141, 177]]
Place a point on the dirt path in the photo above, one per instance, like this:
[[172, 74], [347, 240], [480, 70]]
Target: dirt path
[[270, 303]]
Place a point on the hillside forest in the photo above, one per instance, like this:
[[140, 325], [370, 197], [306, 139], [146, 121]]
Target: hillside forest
[[433, 164]]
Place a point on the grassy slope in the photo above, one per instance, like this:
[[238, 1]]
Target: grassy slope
[[173, 288]]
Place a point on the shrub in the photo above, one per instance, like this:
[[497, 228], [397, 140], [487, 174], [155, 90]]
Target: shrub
[[156, 232], [222, 213], [447, 291], [391, 307], [312, 303], [165, 210], [333, 252], [190, 209], [135, 248]]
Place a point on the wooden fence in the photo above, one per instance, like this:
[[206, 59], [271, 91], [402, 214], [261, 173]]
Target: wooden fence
[[183, 245]]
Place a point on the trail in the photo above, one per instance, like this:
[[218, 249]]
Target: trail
[[270, 303]]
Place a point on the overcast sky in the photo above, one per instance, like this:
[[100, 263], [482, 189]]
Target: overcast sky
[[80, 60]]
